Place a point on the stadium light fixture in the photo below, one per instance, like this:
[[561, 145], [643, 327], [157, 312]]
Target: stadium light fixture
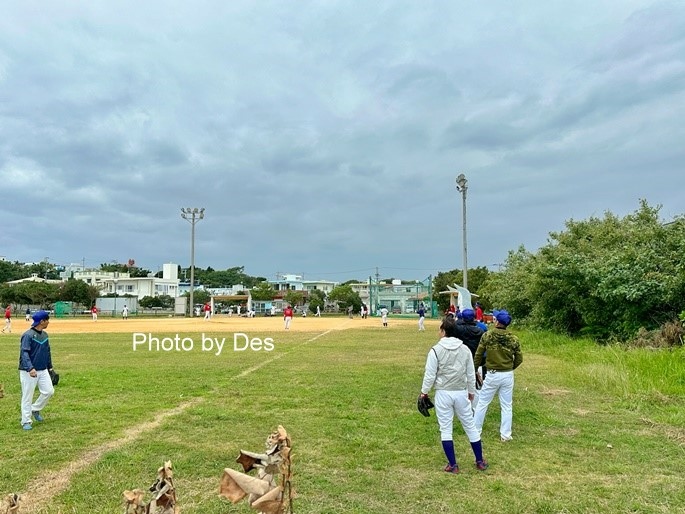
[[462, 187], [192, 216]]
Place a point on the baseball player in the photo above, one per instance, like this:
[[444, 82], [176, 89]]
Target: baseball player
[[449, 369], [287, 316], [35, 363], [500, 352], [384, 316], [8, 320], [422, 317]]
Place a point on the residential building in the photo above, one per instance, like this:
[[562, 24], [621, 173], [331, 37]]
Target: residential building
[[398, 296], [110, 282], [33, 278]]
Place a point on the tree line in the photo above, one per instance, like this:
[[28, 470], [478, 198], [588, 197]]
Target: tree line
[[604, 277]]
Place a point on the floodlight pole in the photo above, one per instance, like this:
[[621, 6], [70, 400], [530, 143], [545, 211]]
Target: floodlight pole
[[192, 216], [462, 187]]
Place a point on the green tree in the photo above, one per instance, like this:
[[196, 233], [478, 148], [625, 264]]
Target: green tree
[[113, 267], [75, 291], [136, 272], [12, 271], [212, 278], [7, 295], [163, 301], [477, 277], [440, 283], [93, 293], [133, 271], [317, 298], [35, 293], [344, 296], [42, 269], [199, 296], [293, 297], [263, 292], [511, 287], [604, 277]]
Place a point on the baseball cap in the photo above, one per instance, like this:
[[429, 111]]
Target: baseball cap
[[468, 314], [39, 316], [502, 317]]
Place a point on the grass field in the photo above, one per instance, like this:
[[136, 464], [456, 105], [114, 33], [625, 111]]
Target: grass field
[[596, 429]]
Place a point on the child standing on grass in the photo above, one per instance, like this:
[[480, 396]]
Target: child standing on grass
[[449, 369]]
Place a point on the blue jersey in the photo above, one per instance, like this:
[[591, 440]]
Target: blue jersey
[[35, 351]]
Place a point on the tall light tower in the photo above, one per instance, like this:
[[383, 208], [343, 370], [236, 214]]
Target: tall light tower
[[192, 216], [462, 187]]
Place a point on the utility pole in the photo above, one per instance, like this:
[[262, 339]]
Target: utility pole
[[462, 187], [192, 216]]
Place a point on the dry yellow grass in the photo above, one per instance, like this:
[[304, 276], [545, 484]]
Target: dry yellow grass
[[219, 323]]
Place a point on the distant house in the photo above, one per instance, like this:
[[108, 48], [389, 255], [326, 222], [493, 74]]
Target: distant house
[[110, 282], [33, 278], [398, 296], [292, 282]]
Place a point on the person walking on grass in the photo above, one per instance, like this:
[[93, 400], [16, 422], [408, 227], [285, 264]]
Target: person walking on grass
[[449, 369], [35, 363], [500, 352]]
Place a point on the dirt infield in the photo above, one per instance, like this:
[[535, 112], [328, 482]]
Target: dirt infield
[[220, 323]]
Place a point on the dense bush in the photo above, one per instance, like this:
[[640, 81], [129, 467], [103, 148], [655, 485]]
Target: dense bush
[[602, 277]]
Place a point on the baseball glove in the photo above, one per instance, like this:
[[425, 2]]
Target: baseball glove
[[54, 376], [423, 403]]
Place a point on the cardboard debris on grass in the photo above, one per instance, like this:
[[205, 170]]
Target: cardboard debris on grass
[[163, 495], [10, 504], [270, 492]]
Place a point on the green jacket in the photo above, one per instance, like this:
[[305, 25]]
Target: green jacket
[[501, 348]]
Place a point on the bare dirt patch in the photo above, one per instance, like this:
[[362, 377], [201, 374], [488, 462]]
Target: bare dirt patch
[[220, 323]]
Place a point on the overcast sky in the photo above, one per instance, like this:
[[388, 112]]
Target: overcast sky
[[325, 137]]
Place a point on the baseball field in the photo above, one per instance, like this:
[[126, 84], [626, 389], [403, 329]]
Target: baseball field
[[596, 429]]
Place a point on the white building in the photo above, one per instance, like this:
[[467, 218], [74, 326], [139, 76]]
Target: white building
[[70, 269], [322, 285], [110, 282], [33, 278]]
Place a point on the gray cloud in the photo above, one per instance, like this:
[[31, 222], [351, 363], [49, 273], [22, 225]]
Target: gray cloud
[[327, 138]]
